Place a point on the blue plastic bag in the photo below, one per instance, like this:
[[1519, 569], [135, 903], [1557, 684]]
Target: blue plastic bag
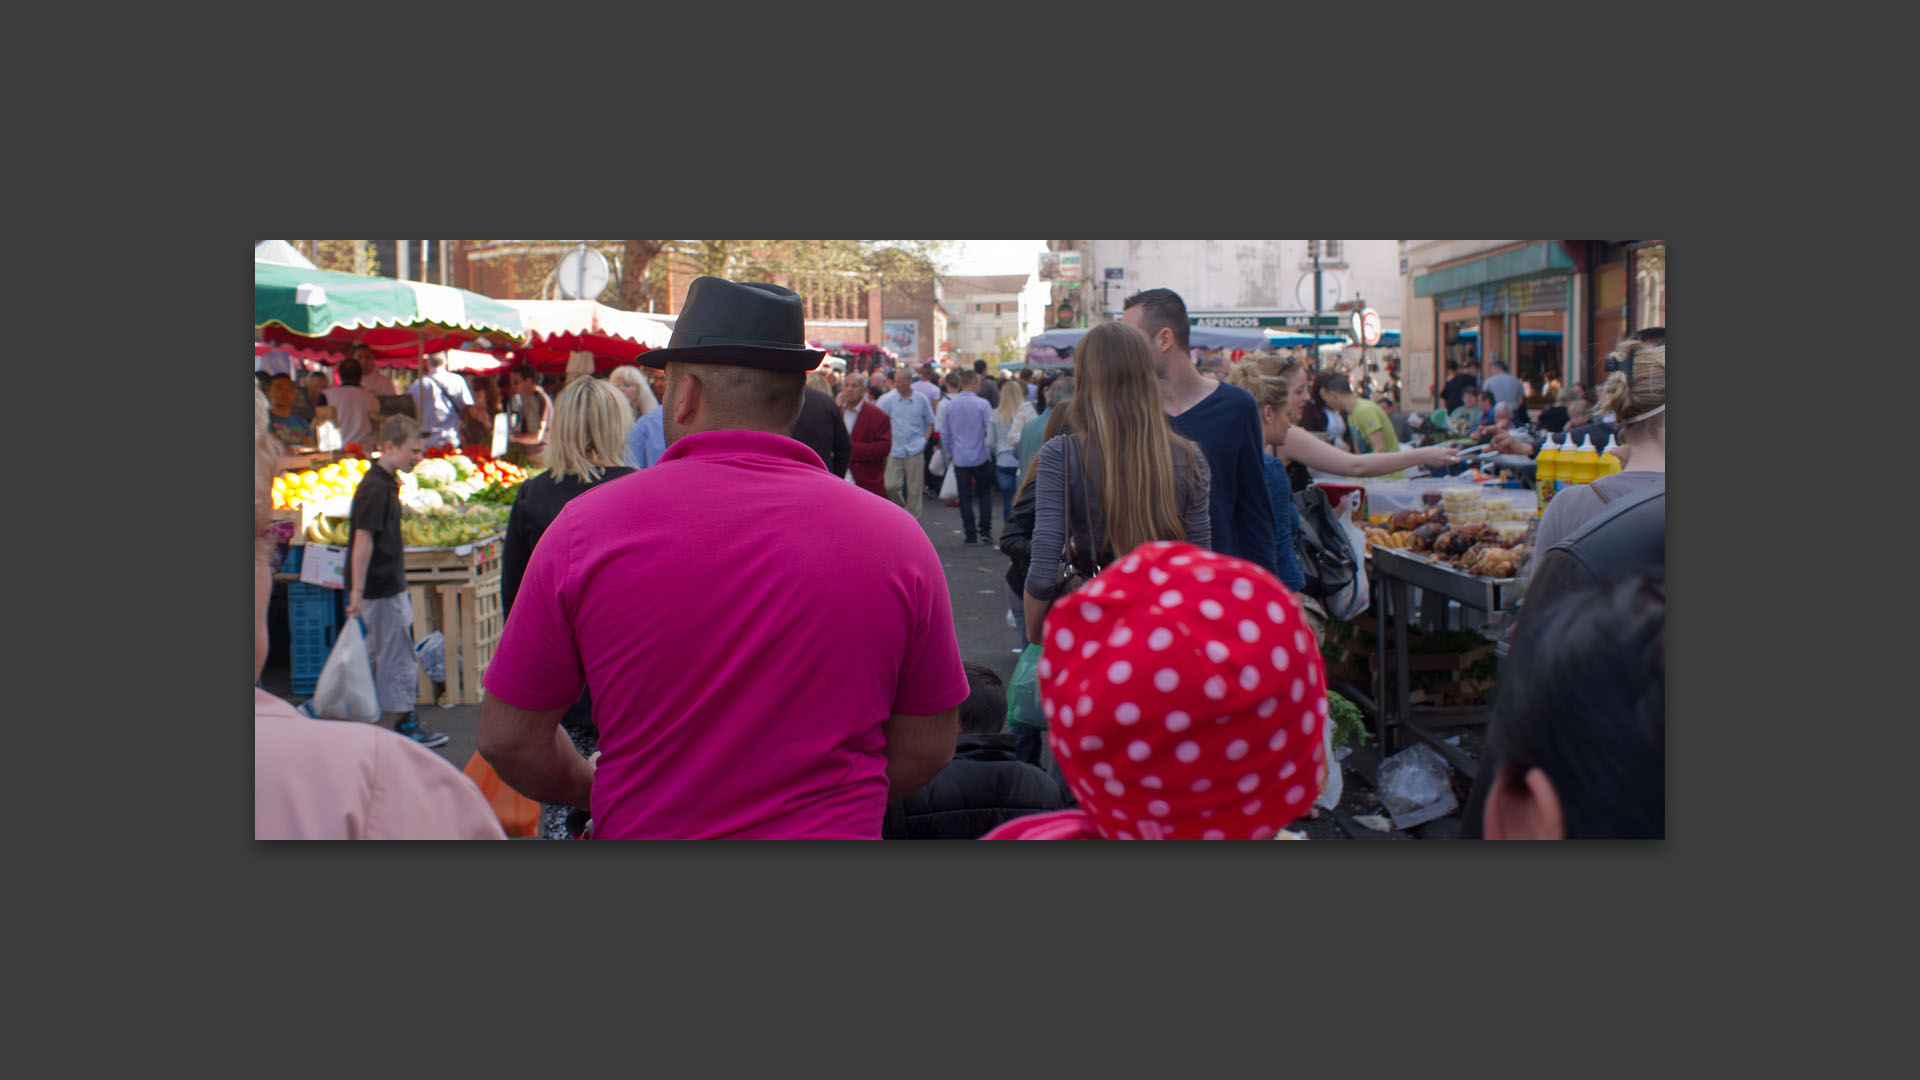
[[1023, 691]]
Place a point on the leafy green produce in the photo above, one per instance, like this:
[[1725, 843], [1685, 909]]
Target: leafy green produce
[[1348, 724]]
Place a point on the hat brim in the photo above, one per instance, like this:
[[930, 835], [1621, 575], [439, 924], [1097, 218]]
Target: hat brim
[[764, 358]]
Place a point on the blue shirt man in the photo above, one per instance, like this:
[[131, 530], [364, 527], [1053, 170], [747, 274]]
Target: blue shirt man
[[911, 417], [963, 431], [648, 439], [1503, 386]]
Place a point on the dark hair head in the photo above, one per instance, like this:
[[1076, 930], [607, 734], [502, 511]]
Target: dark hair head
[[1583, 698], [527, 372], [1163, 308], [1499, 365], [1453, 365], [1486, 396], [1333, 381], [277, 378], [350, 372], [980, 366], [985, 710], [877, 391]]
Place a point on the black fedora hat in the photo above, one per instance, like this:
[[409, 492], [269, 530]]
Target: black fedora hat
[[749, 323]]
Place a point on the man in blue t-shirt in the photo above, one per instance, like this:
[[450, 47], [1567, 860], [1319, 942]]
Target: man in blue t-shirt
[[1222, 418]]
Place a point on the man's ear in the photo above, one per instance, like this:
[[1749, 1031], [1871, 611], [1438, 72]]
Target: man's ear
[[687, 402], [1523, 808]]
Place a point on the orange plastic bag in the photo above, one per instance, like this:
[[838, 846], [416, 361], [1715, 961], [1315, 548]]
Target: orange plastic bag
[[519, 815]]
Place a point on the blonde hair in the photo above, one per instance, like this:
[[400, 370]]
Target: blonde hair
[[630, 375], [817, 380], [1010, 402], [1631, 404], [1116, 409], [589, 432], [1259, 375]]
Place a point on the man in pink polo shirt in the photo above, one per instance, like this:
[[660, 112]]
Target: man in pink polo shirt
[[685, 597]]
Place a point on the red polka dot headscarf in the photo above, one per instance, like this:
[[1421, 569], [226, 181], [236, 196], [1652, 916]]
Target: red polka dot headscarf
[[1185, 698]]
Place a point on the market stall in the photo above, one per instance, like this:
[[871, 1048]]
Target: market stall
[[401, 321], [1445, 559], [558, 329], [454, 509]]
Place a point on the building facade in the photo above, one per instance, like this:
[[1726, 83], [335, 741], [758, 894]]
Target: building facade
[[983, 311], [1549, 308], [1243, 284]]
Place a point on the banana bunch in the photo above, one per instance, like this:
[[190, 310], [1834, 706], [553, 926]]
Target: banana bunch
[[331, 531]]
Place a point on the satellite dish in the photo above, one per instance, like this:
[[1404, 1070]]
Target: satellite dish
[[582, 274]]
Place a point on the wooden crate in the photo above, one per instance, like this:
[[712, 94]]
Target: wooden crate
[[457, 591]]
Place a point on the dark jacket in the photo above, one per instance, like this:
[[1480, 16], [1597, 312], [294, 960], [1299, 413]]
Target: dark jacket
[[983, 787], [1016, 535], [820, 427]]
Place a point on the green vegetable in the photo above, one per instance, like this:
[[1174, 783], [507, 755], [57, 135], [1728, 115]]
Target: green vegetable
[[1348, 724]]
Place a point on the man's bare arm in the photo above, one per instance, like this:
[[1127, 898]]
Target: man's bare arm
[[918, 747], [533, 755]]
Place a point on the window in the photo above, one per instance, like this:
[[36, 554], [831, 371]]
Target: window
[[1330, 249]]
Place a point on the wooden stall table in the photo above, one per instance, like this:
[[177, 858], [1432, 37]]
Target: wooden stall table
[[1396, 571]]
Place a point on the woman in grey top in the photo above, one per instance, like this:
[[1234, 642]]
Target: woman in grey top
[[1122, 479]]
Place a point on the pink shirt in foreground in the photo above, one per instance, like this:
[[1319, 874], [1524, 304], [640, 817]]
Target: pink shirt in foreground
[[339, 780], [746, 621]]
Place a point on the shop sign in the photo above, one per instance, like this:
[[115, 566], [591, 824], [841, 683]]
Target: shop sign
[[1069, 266], [1250, 322]]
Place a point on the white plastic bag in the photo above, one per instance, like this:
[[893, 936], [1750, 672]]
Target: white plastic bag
[[937, 464], [950, 488], [1329, 797], [431, 653], [345, 690], [1352, 600]]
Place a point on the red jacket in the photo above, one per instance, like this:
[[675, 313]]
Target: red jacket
[[872, 441]]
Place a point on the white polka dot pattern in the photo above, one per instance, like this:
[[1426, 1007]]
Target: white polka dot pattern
[[1188, 625]]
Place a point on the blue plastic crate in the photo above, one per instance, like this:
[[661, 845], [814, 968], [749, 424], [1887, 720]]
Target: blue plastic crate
[[291, 564], [311, 618]]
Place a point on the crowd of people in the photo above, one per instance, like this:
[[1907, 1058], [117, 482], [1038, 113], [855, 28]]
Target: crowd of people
[[653, 679]]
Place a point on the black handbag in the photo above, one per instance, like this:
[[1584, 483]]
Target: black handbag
[[1326, 559], [1072, 578]]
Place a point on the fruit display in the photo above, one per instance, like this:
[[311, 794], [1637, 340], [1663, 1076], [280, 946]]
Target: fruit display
[[447, 479], [447, 500], [290, 490], [453, 526]]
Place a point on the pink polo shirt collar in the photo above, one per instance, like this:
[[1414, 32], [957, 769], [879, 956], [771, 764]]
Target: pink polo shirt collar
[[730, 443]]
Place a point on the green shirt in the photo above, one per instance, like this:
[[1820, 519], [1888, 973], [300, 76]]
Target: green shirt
[[1367, 418]]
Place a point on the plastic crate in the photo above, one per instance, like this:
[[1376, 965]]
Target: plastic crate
[[290, 564], [311, 618]]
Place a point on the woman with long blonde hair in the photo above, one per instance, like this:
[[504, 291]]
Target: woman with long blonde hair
[[1121, 479], [586, 446], [1003, 434]]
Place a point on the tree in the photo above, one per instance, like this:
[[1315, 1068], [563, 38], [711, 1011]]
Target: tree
[[1009, 350]]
